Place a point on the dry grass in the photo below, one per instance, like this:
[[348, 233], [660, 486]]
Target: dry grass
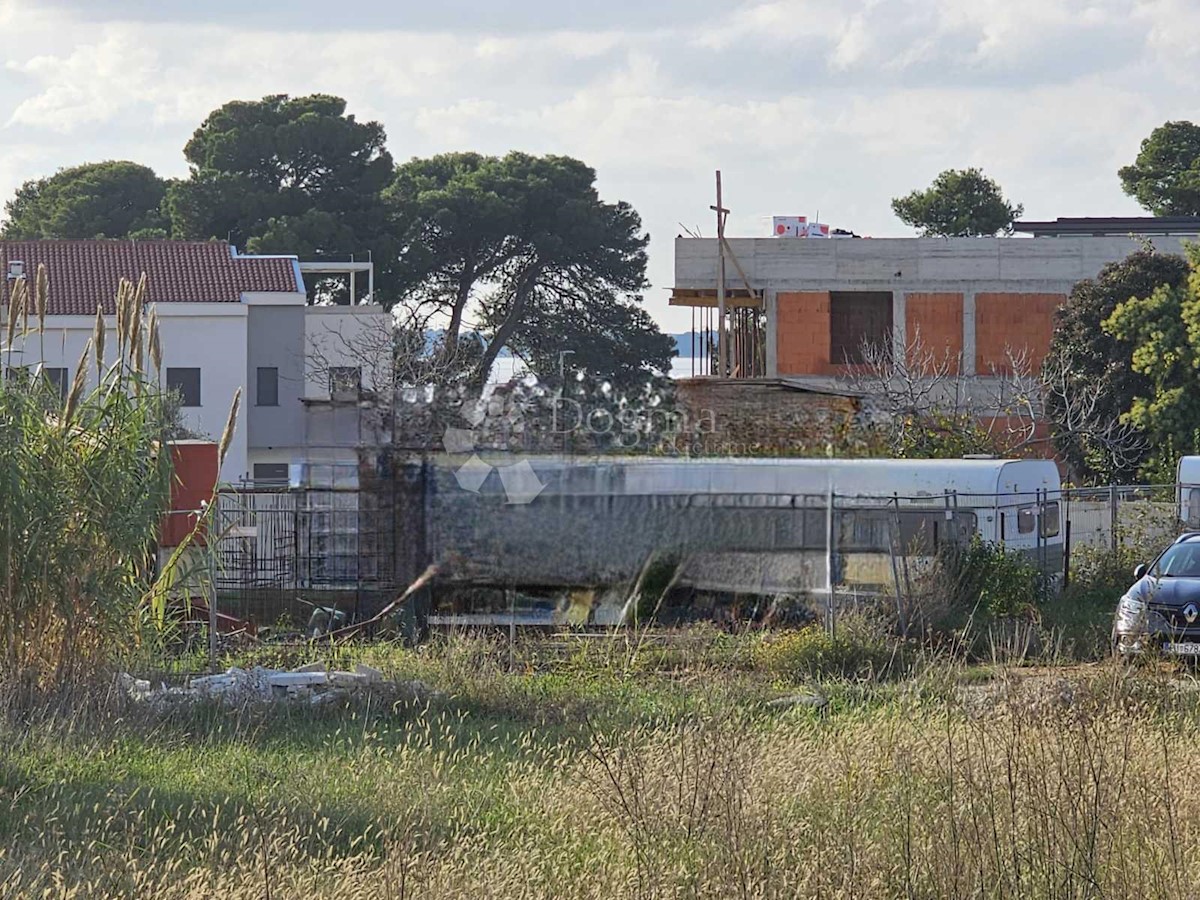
[[600, 784]]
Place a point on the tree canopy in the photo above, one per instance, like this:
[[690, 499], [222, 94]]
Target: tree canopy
[[1163, 329], [549, 265], [569, 251], [521, 244], [959, 203], [1093, 359], [1165, 177], [116, 198], [281, 174], [454, 215]]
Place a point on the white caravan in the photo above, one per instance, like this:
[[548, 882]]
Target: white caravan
[[745, 525], [1187, 490], [1013, 501]]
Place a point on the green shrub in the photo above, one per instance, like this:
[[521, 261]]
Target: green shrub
[[1002, 584], [975, 595], [858, 648], [1079, 621]]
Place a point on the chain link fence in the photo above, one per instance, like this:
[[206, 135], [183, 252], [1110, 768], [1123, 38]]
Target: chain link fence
[[577, 553]]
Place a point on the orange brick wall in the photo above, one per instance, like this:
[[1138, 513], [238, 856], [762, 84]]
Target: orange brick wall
[[1016, 321], [802, 333], [938, 319]]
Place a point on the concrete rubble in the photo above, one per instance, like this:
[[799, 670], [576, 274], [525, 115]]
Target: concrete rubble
[[312, 684]]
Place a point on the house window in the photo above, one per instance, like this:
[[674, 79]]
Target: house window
[[268, 386], [271, 473], [187, 383], [857, 320], [56, 378], [345, 379], [16, 375]]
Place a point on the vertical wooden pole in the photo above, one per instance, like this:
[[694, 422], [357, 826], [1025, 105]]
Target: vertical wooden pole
[[722, 339]]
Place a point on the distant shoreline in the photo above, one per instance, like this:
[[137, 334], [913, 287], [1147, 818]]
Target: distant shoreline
[[506, 367]]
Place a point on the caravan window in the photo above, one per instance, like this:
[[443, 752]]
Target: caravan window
[[919, 532], [1050, 523], [1026, 519], [1194, 507]]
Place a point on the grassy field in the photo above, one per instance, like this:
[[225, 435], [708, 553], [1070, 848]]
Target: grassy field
[[594, 771]]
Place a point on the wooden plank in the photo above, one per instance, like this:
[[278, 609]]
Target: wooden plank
[[708, 300]]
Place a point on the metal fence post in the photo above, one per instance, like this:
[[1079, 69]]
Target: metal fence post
[[830, 559], [512, 628], [895, 547], [1065, 522], [1112, 515], [210, 545]]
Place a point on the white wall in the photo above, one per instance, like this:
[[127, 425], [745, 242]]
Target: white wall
[[208, 336], [909, 264], [346, 336], [211, 337]]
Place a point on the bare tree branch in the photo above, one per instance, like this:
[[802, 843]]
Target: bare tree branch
[[1017, 405]]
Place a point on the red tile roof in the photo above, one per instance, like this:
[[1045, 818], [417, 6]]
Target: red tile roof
[[85, 273]]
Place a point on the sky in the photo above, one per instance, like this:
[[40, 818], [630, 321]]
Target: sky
[[806, 106]]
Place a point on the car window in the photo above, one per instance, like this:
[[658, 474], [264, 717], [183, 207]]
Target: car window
[[1179, 561]]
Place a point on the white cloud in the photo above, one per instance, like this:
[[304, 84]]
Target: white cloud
[[804, 104]]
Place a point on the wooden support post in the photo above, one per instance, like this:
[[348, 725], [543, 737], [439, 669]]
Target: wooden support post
[[722, 338]]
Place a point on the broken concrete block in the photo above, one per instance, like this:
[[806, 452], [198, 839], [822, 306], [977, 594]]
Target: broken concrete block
[[287, 679], [134, 686], [350, 680], [373, 675]]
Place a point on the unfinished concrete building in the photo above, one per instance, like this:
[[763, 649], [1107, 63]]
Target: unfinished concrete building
[[977, 299]]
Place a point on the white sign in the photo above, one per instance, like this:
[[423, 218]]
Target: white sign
[[789, 226], [798, 227]]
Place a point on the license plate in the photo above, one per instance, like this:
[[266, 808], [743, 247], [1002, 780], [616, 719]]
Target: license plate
[[1183, 648]]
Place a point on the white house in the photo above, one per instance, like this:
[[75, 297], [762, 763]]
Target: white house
[[227, 320]]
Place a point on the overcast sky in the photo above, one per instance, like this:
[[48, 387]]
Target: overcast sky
[[805, 105]]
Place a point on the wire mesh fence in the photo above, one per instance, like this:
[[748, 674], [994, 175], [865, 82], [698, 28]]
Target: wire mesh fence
[[284, 551]]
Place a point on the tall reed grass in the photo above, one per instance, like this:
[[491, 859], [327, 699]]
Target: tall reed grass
[[84, 479]]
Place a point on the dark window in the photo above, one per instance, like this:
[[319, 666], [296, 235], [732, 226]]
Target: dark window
[[1050, 520], [57, 379], [1026, 519], [915, 532], [345, 379], [268, 386], [271, 473], [187, 383], [858, 318]]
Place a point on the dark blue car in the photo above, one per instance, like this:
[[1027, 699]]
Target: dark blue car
[[1161, 611]]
